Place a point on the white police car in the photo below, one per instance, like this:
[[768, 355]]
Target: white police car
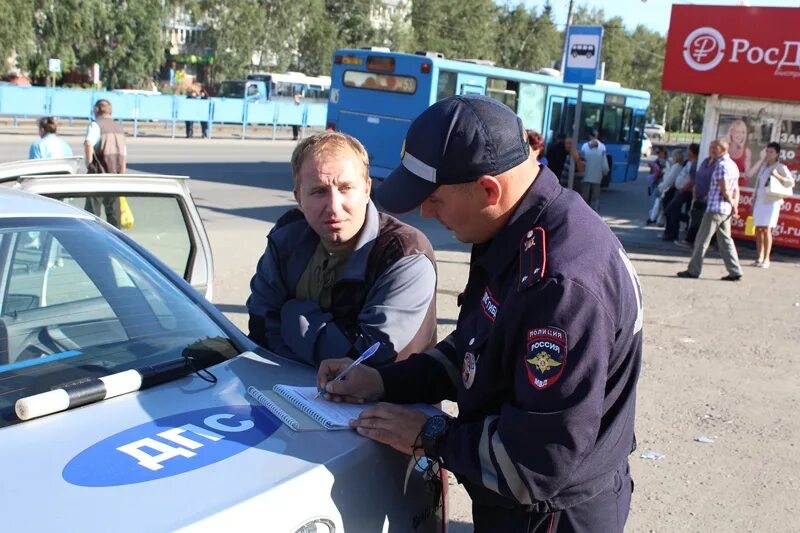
[[80, 303]]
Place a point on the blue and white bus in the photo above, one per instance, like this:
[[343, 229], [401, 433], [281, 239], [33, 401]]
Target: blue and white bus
[[375, 95]]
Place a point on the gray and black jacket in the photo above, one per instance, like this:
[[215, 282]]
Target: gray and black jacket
[[387, 293]]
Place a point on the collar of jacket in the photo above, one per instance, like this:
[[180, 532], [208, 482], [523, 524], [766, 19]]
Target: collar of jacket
[[356, 266], [494, 255]]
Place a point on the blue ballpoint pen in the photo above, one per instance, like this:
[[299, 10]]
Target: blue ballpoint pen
[[369, 352]]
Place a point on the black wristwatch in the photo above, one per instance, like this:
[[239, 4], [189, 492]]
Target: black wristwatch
[[433, 431]]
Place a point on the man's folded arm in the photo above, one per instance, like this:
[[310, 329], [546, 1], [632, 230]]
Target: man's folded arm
[[393, 312]]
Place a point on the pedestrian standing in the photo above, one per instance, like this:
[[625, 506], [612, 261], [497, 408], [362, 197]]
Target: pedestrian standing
[[682, 197], [702, 184], [296, 128], [191, 94], [106, 151], [593, 153], [723, 202], [546, 353], [766, 208], [49, 145], [560, 153], [203, 95]]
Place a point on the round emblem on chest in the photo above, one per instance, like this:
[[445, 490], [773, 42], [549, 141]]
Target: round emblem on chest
[[468, 369]]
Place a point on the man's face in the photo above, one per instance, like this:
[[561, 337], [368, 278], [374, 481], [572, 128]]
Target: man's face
[[333, 194], [715, 150], [568, 143], [458, 208]]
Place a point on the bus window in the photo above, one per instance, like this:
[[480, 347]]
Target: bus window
[[504, 91], [531, 105], [447, 85], [590, 120], [380, 82], [611, 130]]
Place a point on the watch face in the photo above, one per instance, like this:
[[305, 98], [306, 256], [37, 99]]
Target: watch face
[[435, 426]]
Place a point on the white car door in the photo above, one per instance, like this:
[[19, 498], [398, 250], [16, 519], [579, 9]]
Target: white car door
[[165, 218]]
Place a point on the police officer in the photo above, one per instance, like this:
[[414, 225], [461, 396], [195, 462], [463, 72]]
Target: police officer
[[545, 356]]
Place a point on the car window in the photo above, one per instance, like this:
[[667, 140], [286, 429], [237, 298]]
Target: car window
[[158, 223], [76, 302]]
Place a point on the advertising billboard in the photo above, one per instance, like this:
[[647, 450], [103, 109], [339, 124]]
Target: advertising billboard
[[734, 50]]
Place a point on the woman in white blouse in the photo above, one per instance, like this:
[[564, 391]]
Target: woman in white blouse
[[766, 208]]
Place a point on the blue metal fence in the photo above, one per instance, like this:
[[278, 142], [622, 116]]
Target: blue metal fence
[[27, 102]]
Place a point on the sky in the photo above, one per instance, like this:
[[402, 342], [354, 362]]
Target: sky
[[654, 14]]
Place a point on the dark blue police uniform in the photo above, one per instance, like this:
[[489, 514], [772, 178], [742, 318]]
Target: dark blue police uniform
[[547, 349], [543, 364]]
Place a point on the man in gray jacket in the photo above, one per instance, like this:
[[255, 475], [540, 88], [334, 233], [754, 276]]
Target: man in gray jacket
[[593, 153], [337, 276]]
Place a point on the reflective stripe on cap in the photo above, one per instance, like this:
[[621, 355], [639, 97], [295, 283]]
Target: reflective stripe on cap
[[418, 168]]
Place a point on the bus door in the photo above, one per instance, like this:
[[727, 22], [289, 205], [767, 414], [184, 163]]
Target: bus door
[[555, 118], [471, 84], [636, 144]]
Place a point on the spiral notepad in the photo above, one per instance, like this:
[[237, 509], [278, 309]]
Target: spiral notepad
[[297, 408], [285, 401]]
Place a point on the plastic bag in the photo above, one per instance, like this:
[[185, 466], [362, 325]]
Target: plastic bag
[[749, 227], [126, 220]]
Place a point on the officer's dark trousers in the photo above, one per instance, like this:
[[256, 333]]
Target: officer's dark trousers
[[605, 513]]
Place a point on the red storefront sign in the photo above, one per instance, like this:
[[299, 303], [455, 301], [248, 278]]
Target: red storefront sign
[[732, 50], [787, 232]]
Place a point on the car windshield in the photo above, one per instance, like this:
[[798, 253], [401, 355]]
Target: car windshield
[[76, 302], [231, 89]]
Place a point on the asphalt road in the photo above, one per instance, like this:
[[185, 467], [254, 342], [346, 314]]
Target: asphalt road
[[720, 361]]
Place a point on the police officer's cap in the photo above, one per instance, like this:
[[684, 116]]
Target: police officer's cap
[[456, 140]]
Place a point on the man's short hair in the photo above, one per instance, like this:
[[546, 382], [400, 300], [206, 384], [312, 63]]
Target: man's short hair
[[48, 124], [775, 146], [535, 139], [723, 143], [102, 107], [694, 148], [327, 142]]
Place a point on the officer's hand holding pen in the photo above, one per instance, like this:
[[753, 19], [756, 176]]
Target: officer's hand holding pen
[[362, 383]]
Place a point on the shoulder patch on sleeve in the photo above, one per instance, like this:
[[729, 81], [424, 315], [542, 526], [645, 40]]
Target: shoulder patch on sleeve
[[545, 356], [532, 258]]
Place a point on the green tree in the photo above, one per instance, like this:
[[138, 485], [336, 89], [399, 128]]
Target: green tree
[[352, 20], [546, 42], [617, 51], [317, 41], [232, 31], [64, 29], [512, 48], [16, 31], [464, 29], [129, 41], [399, 35], [282, 31]]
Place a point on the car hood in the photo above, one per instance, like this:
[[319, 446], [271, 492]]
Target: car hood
[[187, 454]]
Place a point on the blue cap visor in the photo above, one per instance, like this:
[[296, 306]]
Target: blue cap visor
[[403, 191]]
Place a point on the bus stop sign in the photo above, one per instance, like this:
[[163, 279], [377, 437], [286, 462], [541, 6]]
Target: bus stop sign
[[583, 54]]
